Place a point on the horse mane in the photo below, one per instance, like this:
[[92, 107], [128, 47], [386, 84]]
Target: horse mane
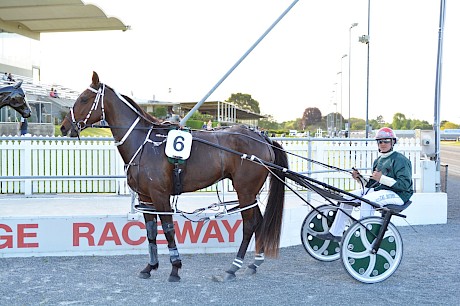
[[152, 119], [140, 109]]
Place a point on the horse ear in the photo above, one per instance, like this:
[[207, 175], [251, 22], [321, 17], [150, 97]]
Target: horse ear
[[95, 78], [18, 84]]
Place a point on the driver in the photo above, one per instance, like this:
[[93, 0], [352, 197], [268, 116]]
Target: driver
[[390, 183]]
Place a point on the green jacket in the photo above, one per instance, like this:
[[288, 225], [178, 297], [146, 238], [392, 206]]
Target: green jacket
[[399, 168]]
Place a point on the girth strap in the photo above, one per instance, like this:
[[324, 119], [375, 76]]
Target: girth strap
[[177, 179]]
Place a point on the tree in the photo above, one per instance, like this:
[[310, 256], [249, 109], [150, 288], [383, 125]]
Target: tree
[[374, 123], [380, 120], [449, 125], [358, 124], [420, 124], [311, 115], [269, 123], [399, 121], [290, 125], [244, 101]]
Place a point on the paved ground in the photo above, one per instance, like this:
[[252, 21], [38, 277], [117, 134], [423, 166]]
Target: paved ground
[[428, 275]]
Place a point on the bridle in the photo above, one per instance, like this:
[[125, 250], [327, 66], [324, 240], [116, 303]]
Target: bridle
[[100, 93], [9, 97], [82, 124]]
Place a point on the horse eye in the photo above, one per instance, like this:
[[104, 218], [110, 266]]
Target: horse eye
[[15, 103]]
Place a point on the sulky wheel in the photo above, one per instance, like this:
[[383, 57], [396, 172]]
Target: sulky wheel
[[356, 249], [319, 221]]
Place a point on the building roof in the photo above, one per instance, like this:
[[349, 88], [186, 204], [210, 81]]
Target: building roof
[[211, 107], [208, 107], [30, 18]]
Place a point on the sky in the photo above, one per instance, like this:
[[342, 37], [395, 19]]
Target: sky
[[178, 50]]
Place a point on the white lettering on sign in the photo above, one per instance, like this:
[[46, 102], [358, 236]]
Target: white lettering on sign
[[178, 144]]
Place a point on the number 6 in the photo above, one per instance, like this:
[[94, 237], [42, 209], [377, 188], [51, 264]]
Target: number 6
[[178, 143]]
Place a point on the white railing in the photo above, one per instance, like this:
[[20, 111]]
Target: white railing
[[35, 165], [31, 165], [345, 154]]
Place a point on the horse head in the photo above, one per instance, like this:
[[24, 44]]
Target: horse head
[[15, 97], [85, 110]]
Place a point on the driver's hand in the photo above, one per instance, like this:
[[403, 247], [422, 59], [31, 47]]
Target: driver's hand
[[355, 174], [376, 175]]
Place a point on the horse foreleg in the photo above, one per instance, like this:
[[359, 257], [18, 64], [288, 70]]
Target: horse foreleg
[[174, 257], [152, 231]]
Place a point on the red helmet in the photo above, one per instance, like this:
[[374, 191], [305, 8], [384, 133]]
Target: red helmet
[[385, 133]]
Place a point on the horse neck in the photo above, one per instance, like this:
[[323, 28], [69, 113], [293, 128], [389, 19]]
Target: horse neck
[[2, 100], [121, 118]]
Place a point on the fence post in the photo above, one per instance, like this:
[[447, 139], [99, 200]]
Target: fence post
[[26, 167]]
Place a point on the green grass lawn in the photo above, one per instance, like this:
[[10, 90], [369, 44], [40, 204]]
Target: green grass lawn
[[450, 143], [89, 132]]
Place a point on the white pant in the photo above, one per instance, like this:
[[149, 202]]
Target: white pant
[[381, 197]]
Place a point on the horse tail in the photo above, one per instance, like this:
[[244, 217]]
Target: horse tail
[[273, 217]]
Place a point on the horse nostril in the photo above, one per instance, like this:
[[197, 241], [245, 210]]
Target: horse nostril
[[63, 130]]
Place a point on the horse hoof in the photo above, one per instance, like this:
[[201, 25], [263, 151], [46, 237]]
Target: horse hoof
[[228, 277], [250, 271], [144, 275], [174, 278]]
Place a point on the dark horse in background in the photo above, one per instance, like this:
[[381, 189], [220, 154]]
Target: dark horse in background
[[14, 96], [141, 140]]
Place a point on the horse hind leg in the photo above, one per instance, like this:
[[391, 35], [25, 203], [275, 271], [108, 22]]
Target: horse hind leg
[[174, 257], [251, 219], [259, 256], [251, 269], [152, 231], [258, 260]]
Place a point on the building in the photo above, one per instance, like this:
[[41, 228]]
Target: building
[[21, 23], [224, 113]]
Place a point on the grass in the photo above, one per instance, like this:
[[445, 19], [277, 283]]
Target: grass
[[450, 143], [89, 132]]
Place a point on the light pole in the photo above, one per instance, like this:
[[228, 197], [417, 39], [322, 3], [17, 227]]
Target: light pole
[[341, 89], [349, 78], [367, 86], [333, 114], [340, 72]]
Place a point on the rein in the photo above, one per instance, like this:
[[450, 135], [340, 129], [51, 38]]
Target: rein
[[260, 141], [100, 93]]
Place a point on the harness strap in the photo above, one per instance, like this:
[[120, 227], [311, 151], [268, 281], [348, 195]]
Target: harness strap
[[131, 128], [147, 139], [147, 208], [137, 152], [177, 179]]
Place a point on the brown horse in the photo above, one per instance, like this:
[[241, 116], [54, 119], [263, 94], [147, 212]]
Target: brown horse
[[14, 96], [213, 157]]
